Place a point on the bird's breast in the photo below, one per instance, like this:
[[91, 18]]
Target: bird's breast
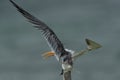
[[66, 67]]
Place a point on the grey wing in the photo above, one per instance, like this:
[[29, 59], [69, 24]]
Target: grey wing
[[49, 35]]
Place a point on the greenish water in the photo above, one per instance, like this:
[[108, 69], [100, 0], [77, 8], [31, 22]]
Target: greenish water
[[21, 45]]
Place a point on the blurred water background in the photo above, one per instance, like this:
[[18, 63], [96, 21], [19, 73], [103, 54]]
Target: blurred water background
[[21, 45]]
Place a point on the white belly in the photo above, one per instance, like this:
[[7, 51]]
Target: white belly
[[66, 67]]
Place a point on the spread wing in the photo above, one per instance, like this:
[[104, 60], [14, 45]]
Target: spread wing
[[49, 35]]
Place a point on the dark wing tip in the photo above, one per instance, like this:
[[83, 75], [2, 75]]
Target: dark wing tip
[[92, 44], [87, 41], [14, 4], [27, 15], [19, 8], [11, 1]]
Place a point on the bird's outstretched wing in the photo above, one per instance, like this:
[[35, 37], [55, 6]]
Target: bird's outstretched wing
[[49, 35]]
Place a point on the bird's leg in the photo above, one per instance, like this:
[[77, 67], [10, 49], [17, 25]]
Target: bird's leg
[[48, 54]]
